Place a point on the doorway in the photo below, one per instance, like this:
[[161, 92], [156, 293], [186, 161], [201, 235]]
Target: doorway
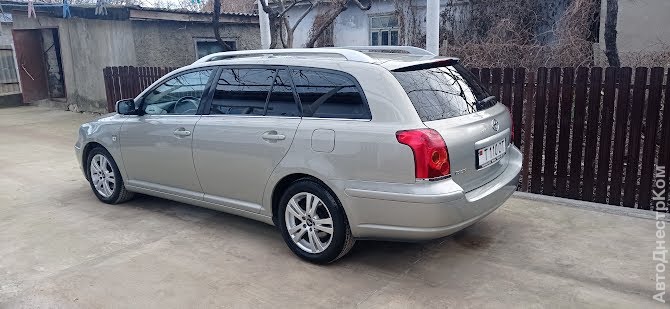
[[38, 57]]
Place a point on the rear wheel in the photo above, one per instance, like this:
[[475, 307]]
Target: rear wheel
[[313, 224], [105, 178]]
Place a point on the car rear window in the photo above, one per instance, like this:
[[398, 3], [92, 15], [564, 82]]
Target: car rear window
[[444, 92]]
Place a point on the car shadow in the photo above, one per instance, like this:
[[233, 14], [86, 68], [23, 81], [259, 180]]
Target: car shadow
[[395, 253]]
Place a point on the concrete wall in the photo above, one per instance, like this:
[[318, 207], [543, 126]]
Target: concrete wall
[[168, 43], [87, 46], [641, 25]]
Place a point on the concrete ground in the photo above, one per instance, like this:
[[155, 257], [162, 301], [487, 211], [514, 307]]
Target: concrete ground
[[60, 247]]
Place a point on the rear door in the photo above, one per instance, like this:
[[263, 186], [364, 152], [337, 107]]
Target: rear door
[[474, 126], [244, 134]]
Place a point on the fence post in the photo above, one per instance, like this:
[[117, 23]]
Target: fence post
[[528, 119], [605, 148], [565, 122], [538, 132], [620, 130], [649, 148], [517, 108], [576, 167], [632, 166]]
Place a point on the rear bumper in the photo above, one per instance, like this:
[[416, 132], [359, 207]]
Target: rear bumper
[[425, 210]]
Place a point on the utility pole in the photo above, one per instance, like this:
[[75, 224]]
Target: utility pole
[[264, 22], [433, 26]]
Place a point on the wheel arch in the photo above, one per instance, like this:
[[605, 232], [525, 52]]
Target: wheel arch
[[84, 156], [286, 181]]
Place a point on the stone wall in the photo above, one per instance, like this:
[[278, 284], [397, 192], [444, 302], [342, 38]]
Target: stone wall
[[168, 43]]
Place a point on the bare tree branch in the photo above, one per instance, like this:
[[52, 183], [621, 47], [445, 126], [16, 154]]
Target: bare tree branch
[[361, 6], [311, 6]]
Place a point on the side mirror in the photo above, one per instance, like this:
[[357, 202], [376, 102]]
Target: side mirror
[[126, 107]]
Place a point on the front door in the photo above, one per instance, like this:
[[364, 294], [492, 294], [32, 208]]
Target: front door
[[156, 146], [30, 62], [249, 129]]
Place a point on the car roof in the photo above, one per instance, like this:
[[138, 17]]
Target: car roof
[[392, 58]]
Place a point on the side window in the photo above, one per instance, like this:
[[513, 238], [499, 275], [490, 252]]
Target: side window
[[180, 95], [254, 92], [329, 95], [242, 91], [282, 102]]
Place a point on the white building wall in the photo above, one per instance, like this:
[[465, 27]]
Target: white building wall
[[352, 26]]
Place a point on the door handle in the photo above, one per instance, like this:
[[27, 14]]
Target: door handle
[[181, 132], [273, 136]]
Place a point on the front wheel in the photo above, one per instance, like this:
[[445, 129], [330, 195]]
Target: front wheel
[[105, 178], [313, 224]]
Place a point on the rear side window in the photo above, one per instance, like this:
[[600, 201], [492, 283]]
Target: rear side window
[[329, 95], [443, 92], [254, 92]]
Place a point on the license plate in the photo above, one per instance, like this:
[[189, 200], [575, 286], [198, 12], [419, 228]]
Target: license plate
[[491, 154]]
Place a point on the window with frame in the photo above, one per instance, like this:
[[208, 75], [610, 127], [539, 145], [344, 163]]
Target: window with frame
[[329, 95], [180, 95], [260, 92], [384, 30]]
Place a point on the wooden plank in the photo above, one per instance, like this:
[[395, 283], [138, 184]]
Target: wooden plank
[[551, 122], [517, 108], [528, 116], [595, 87], [508, 79], [620, 130], [116, 83], [538, 132], [649, 148], [632, 166], [564, 131], [496, 81], [605, 148], [485, 78], [107, 76], [664, 151], [577, 148]]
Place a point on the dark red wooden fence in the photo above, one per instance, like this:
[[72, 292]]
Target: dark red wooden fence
[[589, 134], [127, 82], [586, 134]]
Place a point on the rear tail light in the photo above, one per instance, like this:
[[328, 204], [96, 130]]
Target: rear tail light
[[431, 157]]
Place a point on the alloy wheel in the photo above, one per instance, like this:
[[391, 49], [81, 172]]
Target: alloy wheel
[[102, 175], [309, 222]]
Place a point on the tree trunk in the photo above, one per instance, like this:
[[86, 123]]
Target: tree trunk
[[217, 25], [611, 50], [327, 19]]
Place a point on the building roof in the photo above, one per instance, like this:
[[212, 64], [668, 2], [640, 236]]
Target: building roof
[[130, 12]]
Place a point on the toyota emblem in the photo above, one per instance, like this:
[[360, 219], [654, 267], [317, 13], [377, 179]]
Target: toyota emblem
[[495, 125]]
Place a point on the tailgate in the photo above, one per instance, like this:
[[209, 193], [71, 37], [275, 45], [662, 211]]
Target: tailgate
[[477, 145]]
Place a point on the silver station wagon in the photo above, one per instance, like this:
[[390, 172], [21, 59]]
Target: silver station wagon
[[329, 144]]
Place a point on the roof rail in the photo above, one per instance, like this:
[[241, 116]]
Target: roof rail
[[408, 49], [349, 54]]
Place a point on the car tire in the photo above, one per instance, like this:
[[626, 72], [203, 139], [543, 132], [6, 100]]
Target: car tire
[[327, 210], [101, 171]]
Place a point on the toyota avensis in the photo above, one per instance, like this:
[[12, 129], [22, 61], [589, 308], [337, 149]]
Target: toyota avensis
[[330, 145]]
